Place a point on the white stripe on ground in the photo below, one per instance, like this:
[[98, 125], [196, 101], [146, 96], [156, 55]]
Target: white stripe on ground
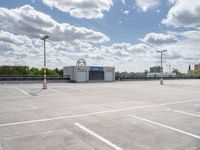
[[56, 91], [99, 137], [49, 95], [95, 113], [165, 126], [78, 89], [24, 92], [197, 105], [186, 113]]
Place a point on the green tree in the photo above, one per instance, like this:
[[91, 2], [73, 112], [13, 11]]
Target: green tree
[[146, 71], [195, 73], [177, 72], [35, 72], [14, 70]]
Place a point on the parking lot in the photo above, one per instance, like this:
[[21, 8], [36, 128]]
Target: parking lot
[[126, 115]]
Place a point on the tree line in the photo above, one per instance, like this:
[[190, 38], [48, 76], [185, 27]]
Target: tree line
[[129, 75], [7, 70]]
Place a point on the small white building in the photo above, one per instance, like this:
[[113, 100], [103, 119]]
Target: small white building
[[83, 73]]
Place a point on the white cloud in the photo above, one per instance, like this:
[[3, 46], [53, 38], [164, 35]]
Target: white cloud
[[182, 48], [21, 29], [20, 44], [10, 38], [19, 49], [192, 35], [89, 9], [172, 1], [146, 5], [26, 20], [184, 13], [159, 39], [124, 56], [126, 12], [30, 52], [124, 2], [120, 22]]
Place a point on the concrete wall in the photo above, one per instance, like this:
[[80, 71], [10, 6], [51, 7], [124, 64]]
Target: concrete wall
[[80, 74], [109, 73]]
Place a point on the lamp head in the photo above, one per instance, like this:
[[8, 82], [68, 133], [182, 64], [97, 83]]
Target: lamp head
[[45, 37], [164, 50]]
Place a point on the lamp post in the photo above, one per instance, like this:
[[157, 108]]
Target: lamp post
[[161, 53], [45, 80]]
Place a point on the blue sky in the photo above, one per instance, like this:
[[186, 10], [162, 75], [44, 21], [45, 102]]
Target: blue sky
[[120, 33]]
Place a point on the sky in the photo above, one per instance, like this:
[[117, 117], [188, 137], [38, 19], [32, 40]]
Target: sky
[[122, 33]]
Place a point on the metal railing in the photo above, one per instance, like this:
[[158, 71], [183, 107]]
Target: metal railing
[[25, 78], [155, 78]]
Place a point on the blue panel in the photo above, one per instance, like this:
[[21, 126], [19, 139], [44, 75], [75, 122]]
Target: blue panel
[[99, 69]]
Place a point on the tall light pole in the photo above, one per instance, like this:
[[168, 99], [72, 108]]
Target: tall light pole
[[45, 76], [161, 53]]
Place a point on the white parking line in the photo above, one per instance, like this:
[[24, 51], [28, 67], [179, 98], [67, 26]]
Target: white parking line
[[96, 113], [56, 91], [78, 89], [197, 105], [165, 126], [186, 113], [24, 92], [99, 137]]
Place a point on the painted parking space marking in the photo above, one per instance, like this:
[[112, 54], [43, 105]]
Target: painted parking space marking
[[78, 89], [98, 137], [197, 105], [165, 126], [96, 113], [12, 97], [22, 91], [56, 91], [187, 113], [49, 95]]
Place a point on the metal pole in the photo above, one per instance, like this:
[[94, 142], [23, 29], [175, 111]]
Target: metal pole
[[161, 78], [45, 80], [161, 61], [44, 54], [45, 76]]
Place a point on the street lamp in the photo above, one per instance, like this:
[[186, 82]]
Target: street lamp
[[45, 76], [161, 53]]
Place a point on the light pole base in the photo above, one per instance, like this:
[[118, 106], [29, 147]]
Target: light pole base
[[44, 86], [161, 81]]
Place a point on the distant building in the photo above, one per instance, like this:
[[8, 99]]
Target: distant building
[[189, 70], [156, 69], [197, 67]]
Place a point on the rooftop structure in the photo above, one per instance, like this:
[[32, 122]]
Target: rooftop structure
[[83, 73]]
